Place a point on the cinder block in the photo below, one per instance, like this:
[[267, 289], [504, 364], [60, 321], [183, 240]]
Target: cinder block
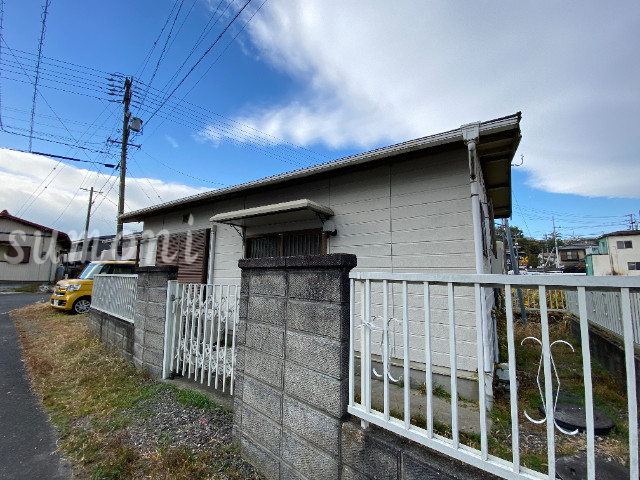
[[325, 393], [155, 311], [349, 473], [243, 305], [267, 368], [267, 463], [268, 282], [267, 310], [326, 319], [262, 398], [138, 336], [414, 469], [261, 429], [265, 338], [154, 372], [153, 357], [157, 295], [307, 459], [363, 453], [157, 279], [314, 426], [319, 285], [155, 325], [154, 340], [321, 354]]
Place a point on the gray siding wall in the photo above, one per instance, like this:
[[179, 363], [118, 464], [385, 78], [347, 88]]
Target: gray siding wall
[[406, 216]]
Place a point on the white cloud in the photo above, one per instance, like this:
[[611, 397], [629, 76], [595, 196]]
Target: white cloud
[[48, 192], [379, 72], [172, 141]]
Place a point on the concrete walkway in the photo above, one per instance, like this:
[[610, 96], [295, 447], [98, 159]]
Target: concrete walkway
[[27, 439], [468, 412]]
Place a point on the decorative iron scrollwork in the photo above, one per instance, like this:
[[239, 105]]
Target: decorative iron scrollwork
[[555, 371]]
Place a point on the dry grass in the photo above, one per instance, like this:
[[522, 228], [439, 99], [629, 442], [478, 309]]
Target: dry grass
[[609, 397], [91, 393]]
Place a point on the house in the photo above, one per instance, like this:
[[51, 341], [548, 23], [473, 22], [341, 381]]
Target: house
[[426, 205], [98, 248], [572, 257], [617, 253], [29, 252]]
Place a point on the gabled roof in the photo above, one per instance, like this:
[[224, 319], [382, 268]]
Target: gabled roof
[[63, 238], [499, 139]]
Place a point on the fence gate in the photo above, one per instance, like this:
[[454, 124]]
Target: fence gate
[[200, 333]]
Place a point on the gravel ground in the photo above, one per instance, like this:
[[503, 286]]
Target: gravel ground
[[163, 421]]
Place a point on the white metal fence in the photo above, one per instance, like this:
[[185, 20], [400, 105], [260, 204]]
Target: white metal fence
[[200, 332], [363, 324], [603, 309], [115, 295]]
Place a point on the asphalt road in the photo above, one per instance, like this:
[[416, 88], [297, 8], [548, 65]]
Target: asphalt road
[[27, 439]]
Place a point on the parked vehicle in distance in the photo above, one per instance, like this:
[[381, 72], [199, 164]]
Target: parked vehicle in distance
[[75, 294]]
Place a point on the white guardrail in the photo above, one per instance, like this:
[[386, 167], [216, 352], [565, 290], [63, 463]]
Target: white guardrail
[[115, 295], [377, 298]]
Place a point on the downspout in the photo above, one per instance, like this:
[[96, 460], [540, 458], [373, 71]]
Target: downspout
[[471, 136], [212, 253]]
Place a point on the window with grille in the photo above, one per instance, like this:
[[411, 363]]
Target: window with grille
[[286, 244]]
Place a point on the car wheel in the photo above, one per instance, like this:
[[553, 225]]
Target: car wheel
[[82, 305]]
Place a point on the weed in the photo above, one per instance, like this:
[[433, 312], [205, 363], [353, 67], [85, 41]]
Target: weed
[[92, 394]]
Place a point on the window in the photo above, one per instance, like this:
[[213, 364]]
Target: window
[[14, 255], [622, 244], [569, 255], [633, 265], [286, 244]]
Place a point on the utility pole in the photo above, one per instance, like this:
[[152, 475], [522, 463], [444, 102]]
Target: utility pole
[[123, 162], [86, 226], [555, 239], [632, 223], [516, 271]]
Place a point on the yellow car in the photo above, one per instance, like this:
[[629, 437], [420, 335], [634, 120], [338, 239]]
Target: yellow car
[[75, 295]]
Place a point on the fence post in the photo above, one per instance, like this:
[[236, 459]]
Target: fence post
[[169, 328], [292, 368]]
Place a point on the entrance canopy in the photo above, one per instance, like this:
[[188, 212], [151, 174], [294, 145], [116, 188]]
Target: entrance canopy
[[296, 210]]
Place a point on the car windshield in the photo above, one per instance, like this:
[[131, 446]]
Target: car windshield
[[93, 269]]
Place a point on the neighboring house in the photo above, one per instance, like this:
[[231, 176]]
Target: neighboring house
[[29, 252], [617, 253], [572, 257], [426, 205], [98, 248]]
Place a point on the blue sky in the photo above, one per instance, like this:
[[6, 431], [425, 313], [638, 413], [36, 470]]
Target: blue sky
[[290, 84]]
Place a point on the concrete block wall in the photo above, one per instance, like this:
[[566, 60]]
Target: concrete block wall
[[115, 332], [150, 316], [290, 406], [292, 368], [143, 340]]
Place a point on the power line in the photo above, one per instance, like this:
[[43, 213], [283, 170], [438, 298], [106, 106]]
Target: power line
[[164, 49], [1, 36], [148, 57], [35, 83], [199, 60]]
